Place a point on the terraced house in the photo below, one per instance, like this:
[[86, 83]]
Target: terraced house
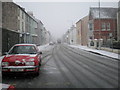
[[10, 29], [102, 25], [82, 31], [18, 26], [118, 22]]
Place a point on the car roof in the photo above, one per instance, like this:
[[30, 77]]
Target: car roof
[[25, 44]]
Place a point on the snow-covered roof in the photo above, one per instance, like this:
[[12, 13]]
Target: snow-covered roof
[[105, 13]]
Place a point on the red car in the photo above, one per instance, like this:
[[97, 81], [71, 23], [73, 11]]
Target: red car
[[7, 87], [22, 58]]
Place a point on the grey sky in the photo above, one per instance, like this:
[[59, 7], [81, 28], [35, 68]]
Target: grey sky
[[59, 16]]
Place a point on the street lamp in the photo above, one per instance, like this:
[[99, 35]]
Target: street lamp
[[99, 45]]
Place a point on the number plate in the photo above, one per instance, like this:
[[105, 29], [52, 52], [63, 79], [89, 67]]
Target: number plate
[[16, 70]]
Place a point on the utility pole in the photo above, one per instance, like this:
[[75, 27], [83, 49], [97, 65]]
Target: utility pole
[[99, 43]]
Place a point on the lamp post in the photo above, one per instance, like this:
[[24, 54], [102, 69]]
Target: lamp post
[[99, 45]]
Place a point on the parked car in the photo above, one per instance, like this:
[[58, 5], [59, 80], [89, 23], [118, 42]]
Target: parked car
[[7, 87], [22, 58]]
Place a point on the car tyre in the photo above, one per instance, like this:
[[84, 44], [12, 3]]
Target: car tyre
[[38, 72]]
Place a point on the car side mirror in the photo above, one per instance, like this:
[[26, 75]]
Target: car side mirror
[[5, 53], [40, 52]]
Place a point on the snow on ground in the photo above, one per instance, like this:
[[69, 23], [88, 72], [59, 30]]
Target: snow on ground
[[43, 47], [106, 53]]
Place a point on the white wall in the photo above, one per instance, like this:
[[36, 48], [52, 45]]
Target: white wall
[[72, 35]]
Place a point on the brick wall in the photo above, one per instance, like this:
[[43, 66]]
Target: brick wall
[[105, 33], [118, 23]]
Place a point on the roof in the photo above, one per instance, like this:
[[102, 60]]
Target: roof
[[78, 21], [81, 19], [105, 13], [23, 9], [39, 21]]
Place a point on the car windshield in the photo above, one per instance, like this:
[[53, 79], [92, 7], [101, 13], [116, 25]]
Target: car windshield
[[23, 50]]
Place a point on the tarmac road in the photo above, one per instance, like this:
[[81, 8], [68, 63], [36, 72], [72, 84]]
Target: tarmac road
[[66, 67]]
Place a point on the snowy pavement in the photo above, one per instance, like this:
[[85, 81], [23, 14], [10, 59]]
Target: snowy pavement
[[102, 52], [43, 47]]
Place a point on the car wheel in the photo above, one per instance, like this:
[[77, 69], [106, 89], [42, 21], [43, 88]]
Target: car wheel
[[38, 72]]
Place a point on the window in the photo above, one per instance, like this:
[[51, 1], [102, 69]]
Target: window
[[22, 26], [110, 35], [91, 37], [22, 15], [18, 11], [19, 24], [23, 50], [108, 26], [103, 27], [78, 32], [90, 26]]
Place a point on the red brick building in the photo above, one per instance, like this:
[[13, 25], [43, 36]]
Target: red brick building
[[118, 22], [103, 24]]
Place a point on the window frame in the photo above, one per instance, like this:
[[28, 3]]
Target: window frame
[[103, 26], [108, 26]]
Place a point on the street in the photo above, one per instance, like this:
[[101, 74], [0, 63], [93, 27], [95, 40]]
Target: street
[[67, 67]]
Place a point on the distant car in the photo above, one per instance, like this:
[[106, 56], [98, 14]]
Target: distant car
[[22, 58], [7, 87], [59, 41], [51, 43]]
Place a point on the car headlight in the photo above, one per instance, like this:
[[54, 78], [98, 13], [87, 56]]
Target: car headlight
[[5, 63], [30, 63]]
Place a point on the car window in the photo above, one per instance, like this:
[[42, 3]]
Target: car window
[[23, 50]]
